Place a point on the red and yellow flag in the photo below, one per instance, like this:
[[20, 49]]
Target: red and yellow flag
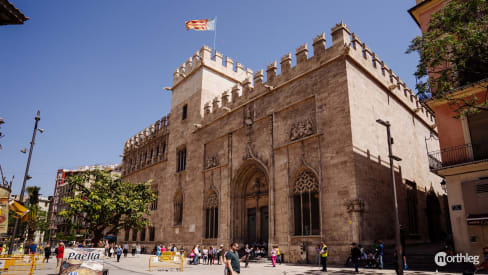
[[201, 25]]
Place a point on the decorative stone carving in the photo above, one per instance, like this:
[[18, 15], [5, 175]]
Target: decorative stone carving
[[212, 200], [302, 129], [248, 115], [355, 205], [212, 161], [251, 155], [306, 182]]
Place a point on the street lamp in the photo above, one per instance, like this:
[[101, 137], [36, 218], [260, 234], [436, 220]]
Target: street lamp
[[398, 244], [26, 177]]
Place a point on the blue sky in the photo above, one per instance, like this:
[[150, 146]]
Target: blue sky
[[95, 69]]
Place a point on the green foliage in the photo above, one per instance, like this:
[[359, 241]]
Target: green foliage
[[454, 53], [33, 214], [106, 204]]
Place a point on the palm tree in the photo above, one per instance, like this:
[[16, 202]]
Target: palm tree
[[33, 206]]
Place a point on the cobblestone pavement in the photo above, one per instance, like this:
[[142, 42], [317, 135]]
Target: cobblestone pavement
[[135, 265]]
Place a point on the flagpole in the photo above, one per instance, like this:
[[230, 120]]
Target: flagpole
[[215, 35]]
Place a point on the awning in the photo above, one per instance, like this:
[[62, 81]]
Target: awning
[[18, 208]]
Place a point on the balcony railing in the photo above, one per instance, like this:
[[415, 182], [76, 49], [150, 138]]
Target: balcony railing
[[461, 154]]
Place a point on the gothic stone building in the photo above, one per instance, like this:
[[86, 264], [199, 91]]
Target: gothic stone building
[[292, 160]]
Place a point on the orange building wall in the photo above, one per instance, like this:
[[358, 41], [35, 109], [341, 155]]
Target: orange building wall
[[424, 17], [449, 128]]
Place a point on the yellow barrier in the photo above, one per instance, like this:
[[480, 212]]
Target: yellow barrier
[[18, 264], [167, 260]]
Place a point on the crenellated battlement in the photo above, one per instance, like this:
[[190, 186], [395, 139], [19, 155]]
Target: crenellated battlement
[[157, 129], [226, 66], [344, 43], [370, 61]]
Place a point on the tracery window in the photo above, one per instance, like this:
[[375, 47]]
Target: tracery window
[[151, 234], [178, 208], [126, 236], [143, 235], [212, 216], [306, 204]]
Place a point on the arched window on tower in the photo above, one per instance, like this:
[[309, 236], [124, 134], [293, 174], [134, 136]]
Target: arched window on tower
[[212, 215], [306, 204], [178, 208]]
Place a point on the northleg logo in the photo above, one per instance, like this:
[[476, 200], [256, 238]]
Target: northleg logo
[[442, 259]]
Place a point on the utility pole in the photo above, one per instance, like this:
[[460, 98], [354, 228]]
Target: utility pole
[[26, 177], [398, 244]]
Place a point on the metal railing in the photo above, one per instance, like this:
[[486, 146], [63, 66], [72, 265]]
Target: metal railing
[[461, 154]]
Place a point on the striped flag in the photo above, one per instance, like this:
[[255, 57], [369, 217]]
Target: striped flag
[[201, 25]]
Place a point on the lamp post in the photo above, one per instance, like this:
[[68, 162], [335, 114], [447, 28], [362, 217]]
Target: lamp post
[[398, 245], [26, 177]]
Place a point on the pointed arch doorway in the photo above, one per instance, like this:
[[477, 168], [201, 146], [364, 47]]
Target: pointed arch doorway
[[250, 204]]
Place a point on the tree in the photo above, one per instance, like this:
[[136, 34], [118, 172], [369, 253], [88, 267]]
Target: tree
[[454, 53], [105, 204], [33, 214]]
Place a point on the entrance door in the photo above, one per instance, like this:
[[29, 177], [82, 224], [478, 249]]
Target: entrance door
[[264, 224], [251, 225]]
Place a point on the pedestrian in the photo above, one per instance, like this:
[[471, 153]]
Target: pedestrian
[[205, 255], [221, 254], [232, 262], [163, 249], [111, 251], [247, 253], [158, 250], [317, 255], [138, 250], [323, 256], [126, 250], [381, 252], [133, 249], [118, 252], [47, 253], [355, 256], [32, 248], [210, 255], [197, 254], [278, 254], [59, 257], [273, 255]]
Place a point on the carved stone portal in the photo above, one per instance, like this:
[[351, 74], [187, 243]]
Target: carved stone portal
[[302, 129]]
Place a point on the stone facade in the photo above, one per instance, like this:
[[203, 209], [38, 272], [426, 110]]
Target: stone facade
[[305, 139]]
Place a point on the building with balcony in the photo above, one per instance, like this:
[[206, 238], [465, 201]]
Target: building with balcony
[[463, 156]]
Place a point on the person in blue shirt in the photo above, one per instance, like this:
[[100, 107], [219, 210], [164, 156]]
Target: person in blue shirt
[[32, 248], [118, 252], [381, 252]]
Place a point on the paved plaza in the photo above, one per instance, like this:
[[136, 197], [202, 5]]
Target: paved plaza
[[139, 265]]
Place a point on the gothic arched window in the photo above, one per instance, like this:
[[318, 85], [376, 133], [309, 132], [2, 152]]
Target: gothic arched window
[[212, 216], [178, 208], [306, 204]]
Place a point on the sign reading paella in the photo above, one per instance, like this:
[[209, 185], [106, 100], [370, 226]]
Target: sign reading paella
[[4, 195], [83, 261]]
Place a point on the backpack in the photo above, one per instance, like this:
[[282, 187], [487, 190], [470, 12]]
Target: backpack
[[56, 251]]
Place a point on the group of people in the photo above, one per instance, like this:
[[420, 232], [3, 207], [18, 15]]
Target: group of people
[[112, 249], [206, 254], [368, 257]]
